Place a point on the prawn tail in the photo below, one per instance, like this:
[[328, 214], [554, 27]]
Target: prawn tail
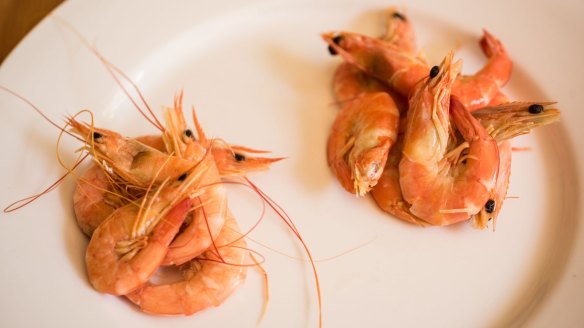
[[369, 167]]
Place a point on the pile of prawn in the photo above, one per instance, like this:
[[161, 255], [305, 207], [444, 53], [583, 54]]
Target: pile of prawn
[[160, 200], [432, 146], [156, 205]]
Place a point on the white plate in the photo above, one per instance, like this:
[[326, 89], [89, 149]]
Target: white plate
[[259, 75]]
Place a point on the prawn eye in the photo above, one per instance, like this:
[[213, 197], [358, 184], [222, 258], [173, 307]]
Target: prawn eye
[[182, 177], [399, 16], [189, 133], [490, 206], [239, 157], [98, 137], [535, 109], [434, 71], [337, 40]]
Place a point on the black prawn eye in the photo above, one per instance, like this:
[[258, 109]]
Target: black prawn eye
[[434, 71], [182, 177], [239, 157], [97, 135], [490, 206], [399, 16], [336, 40], [535, 109], [189, 133]]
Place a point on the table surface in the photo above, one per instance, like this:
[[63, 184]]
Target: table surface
[[17, 18]]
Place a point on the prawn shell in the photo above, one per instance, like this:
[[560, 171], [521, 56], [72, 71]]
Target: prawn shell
[[110, 274], [360, 139]]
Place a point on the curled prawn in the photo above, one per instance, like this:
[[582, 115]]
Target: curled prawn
[[360, 139], [127, 248], [445, 186], [503, 122], [208, 280]]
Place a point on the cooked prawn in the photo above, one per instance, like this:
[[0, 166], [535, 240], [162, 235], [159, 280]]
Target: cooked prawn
[[504, 122], [349, 80], [127, 248], [136, 163], [402, 70], [497, 120], [208, 280], [445, 187], [360, 139]]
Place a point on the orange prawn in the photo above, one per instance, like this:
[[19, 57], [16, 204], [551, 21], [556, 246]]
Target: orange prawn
[[128, 247], [401, 70], [442, 186], [208, 280], [360, 140]]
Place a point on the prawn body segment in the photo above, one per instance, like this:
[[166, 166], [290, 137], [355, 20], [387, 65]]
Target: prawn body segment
[[92, 201], [360, 139], [208, 280], [387, 193], [112, 273], [478, 90]]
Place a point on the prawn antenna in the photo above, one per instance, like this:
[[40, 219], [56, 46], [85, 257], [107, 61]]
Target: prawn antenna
[[25, 201], [286, 218], [114, 71], [36, 109]]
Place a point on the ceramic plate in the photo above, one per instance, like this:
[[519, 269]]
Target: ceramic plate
[[259, 75]]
